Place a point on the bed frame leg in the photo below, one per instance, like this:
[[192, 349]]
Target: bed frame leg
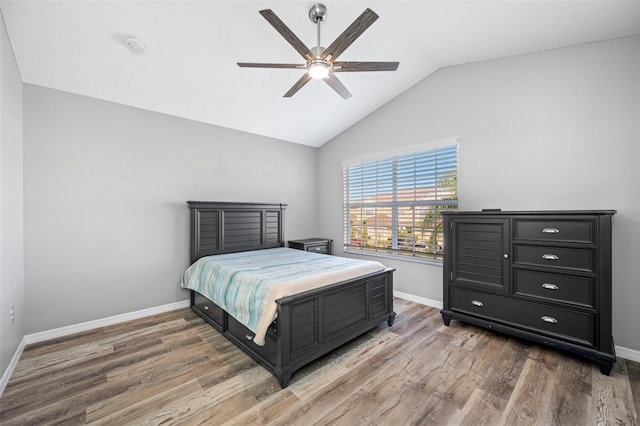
[[446, 317], [605, 367], [392, 318]]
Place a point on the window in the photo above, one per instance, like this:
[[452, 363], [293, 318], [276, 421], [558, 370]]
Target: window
[[393, 205]]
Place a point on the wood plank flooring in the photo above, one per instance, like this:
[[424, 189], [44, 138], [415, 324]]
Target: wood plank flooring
[[175, 369]]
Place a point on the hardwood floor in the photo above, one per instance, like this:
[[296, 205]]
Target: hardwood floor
[[175, 369]]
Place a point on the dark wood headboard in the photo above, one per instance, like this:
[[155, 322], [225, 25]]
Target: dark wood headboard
[[226, 227]]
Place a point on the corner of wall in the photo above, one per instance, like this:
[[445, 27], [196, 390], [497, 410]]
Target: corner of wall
[[12, 301]]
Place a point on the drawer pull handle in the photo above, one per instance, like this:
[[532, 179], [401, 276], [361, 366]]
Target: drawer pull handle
[[248, 337], [551, 231], [550, 286], [477, 303], [550, 320], [206, 308], [550, 257]]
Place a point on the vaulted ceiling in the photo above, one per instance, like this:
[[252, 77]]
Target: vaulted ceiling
[[188, 65]]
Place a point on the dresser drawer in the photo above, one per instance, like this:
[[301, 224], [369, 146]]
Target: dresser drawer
[[555, 257], [562, 288], [564, 323], [579, 231]]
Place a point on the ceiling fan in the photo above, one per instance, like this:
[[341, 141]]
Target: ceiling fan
[[321, 63]]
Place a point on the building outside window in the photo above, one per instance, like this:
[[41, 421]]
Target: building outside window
[[393, 204]]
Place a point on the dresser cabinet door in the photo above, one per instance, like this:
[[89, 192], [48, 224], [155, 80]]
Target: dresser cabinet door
[[480, 253]]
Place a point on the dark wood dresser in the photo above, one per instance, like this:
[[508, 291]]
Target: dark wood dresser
[[543, 276], [315, 245]]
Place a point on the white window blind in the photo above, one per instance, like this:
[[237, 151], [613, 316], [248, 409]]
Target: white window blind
[[393, 205]]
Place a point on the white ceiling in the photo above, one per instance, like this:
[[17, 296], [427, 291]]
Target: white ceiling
[[188, 68]]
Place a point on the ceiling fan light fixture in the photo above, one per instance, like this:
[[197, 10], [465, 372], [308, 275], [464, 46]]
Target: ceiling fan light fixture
[[318, 70], [320, 63]]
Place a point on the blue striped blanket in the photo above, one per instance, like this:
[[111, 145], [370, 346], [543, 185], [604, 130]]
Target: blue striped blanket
[[247, 284]]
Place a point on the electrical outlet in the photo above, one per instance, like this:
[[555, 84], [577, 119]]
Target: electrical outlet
[[12, 313]]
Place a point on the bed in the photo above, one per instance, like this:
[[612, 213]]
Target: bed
[[308, 324]]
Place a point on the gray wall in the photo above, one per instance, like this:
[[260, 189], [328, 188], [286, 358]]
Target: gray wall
[[106, 224], [11, 239], [553, 130]]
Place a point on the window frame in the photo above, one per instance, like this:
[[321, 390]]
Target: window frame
[[421, 206]]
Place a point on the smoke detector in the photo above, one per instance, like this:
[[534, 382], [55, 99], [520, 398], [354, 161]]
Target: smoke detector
[[133, 43]]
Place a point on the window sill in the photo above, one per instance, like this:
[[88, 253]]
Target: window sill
[[412, 259]]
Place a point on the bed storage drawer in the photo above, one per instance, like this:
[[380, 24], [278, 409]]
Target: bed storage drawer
[[244, 336], [227, 324], [208, 309]]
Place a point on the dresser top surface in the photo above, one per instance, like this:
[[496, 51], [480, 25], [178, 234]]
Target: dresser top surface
[[493, 212]]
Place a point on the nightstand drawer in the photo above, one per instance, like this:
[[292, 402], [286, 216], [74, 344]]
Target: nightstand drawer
[[568, 324], [318, 248], [578, 231], [562, 288], [555, 257], [313, 245]]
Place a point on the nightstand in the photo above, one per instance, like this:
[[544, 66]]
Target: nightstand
[[314, 245]]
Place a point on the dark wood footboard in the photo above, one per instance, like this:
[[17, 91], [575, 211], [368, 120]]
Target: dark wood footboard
[[309, 324]]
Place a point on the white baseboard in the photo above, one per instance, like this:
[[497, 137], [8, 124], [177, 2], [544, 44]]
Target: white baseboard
[[622, 352], [90, 325], [12, 365], [85, 326], [421, 300], [627, 353]]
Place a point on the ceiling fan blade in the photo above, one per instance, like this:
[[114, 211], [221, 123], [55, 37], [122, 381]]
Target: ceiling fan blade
[[364, 66], [286, 33], [337, 85], [299, 84], [350, 35], [258, 65]]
